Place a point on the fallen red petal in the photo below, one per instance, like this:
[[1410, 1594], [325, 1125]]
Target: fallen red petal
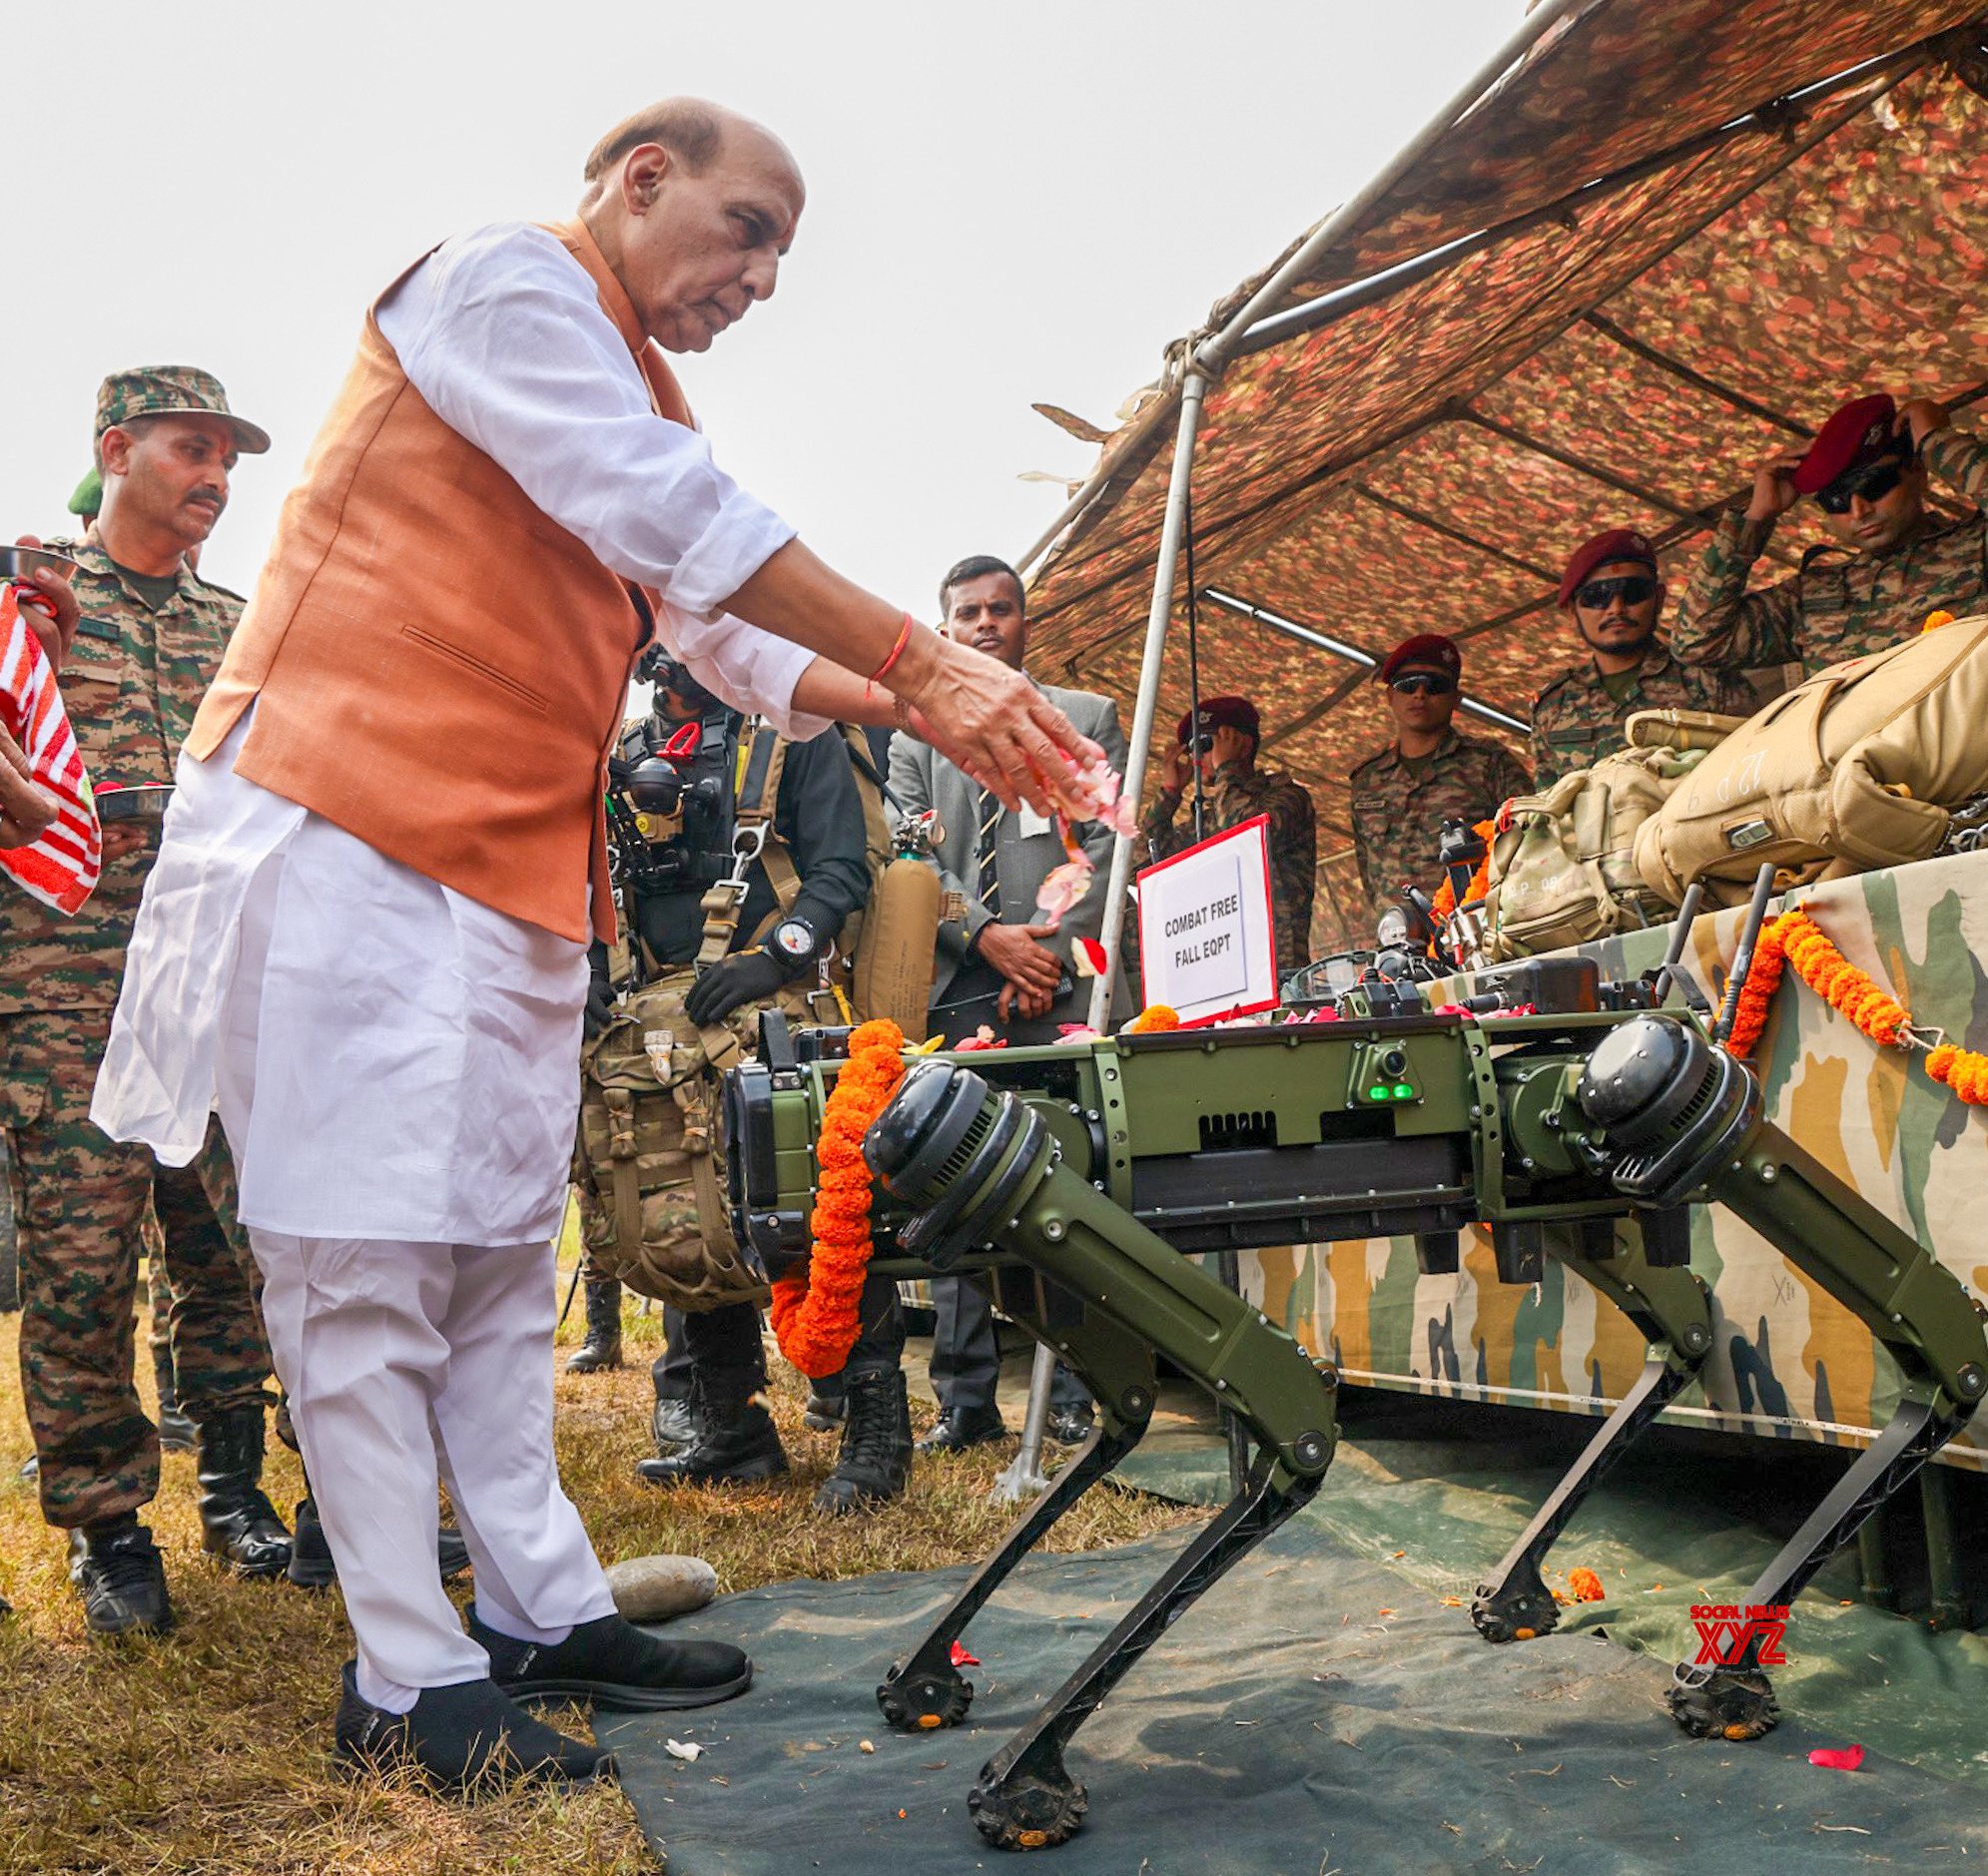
[[961, 1658], [1838, 1758]]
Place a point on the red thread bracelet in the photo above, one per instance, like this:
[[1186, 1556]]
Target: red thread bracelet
[[897, 652]]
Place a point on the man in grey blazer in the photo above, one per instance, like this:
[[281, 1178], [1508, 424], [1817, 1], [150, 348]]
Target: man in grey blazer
[[995, 965]]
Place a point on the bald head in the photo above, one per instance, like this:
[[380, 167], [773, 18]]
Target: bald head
[[694, 206]]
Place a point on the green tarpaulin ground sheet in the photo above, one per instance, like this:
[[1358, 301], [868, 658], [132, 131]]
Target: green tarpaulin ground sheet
[[1324, 1707]]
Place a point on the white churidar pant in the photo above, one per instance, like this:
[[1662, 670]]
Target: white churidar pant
[[397, 1356], [395, 1070]]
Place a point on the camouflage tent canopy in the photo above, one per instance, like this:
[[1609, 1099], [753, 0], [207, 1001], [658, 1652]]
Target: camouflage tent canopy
[[1662, 245]]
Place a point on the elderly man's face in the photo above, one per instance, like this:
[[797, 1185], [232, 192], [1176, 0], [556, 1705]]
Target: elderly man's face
[[1619, 623], [700, 249], [171, 472], [988, 614]]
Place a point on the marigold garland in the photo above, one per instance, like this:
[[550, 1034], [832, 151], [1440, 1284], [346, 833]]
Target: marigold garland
[[1795, 938], [1155, 1020], [1757, 993], [815, 1309]]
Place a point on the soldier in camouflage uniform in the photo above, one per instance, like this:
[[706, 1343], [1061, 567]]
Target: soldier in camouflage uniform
[[1235, 790], [149, 643], [1429, 774], [177, 1433], [716, 1360], [1612, 596], [1894, 564]]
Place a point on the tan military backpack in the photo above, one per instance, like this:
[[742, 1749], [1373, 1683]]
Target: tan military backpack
[[1852, 770], [1563, 870]]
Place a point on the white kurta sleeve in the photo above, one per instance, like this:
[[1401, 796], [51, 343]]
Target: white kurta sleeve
[[501, 332]]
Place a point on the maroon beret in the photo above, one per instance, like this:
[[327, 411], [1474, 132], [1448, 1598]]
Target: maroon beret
[[1860, 432], [1221, 713], [1619, 543], [1426, 651]]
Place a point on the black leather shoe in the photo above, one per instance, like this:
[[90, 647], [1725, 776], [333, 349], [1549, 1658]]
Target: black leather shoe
[[313, 1567], [460, 1736], [239, 1524], [674, 1426], [956, 1433], [737, 1443], [1071, 1426], [121, 1577], [616, 1665], [876, 1456]]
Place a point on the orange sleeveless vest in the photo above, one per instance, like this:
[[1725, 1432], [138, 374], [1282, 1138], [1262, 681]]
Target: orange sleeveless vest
[[437, 666]]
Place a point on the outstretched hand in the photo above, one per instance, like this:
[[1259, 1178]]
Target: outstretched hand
[[991, 721]]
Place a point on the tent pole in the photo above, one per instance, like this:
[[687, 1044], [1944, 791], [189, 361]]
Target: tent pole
[[1192, 390]]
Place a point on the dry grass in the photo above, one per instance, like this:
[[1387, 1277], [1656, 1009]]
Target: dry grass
[[206, 1751]]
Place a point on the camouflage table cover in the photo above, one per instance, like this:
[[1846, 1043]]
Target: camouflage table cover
[[1789, 1360]]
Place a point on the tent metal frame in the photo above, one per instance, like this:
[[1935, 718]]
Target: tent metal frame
[[1265, 320]]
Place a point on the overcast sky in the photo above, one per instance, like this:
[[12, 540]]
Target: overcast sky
[[1007, 202]]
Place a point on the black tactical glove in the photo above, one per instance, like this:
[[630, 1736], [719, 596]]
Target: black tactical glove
[[743, 978], [600, 1008]]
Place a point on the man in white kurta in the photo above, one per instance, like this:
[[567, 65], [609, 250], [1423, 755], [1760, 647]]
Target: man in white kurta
[[395, 1062]]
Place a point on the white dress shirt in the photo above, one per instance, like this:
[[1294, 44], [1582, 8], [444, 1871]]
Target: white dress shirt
[[415, 1052]]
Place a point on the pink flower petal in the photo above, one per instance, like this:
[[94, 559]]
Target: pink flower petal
[[1838, 1758]]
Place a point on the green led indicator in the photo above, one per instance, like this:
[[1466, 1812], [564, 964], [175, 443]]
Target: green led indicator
[[1403, 1092], [1377, 1095]]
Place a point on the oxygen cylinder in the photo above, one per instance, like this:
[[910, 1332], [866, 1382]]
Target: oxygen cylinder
[[893, 964]]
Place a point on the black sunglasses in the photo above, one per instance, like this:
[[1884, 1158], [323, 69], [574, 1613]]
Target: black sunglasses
[[1423, 684], [1874, 482], [1631, 588]]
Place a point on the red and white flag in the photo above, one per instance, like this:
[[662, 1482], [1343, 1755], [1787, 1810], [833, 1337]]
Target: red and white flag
[[61, 868]]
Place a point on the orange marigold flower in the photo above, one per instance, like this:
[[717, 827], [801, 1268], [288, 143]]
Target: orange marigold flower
[[1587, 1586], [815, 1316], [1154, 1019]]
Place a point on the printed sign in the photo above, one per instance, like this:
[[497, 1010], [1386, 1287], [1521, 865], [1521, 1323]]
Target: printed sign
[[1205, 938]]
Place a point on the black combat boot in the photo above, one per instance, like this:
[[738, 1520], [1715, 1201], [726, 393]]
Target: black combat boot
[[737, 1442], [876, 1455], [121, 1577], [313, 1567], [239, 1524], [462, 1736], [826, 1406], [177, 1432], [602, 1348], [674, 1425]]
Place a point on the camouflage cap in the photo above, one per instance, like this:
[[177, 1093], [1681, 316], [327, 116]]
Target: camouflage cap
[[88, 500], [152, 390]]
